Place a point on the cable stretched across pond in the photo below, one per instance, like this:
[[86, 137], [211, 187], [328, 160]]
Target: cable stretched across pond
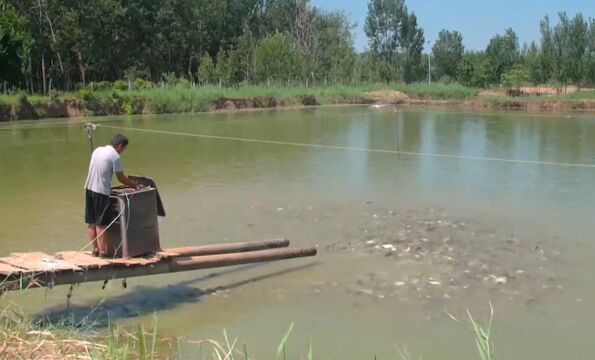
[[341, 147]]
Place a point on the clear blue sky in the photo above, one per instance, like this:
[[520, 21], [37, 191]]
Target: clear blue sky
[[477, 20]]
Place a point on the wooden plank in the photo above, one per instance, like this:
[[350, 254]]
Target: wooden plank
[[135, 261], [8, 270], [82, 259], [165, 253], [86, 260], [38, 262]]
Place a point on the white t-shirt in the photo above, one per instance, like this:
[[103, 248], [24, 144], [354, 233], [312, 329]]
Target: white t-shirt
[[104, 162]]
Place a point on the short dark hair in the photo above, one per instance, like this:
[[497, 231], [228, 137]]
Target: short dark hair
[[119, 139]]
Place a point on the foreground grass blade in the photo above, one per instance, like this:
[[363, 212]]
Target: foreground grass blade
[[142, 346], [404, 354], [482, 336], [281, 347], [154, 339]]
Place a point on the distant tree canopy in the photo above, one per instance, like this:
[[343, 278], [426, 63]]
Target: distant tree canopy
[[448, 52], [565, 55], [396, 40], [65, 44]]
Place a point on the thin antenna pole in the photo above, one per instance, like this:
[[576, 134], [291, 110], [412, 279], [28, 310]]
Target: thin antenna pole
[[90, 129]]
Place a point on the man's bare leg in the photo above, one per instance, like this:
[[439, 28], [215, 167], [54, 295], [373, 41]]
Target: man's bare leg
[[92, 235], [101, 239]]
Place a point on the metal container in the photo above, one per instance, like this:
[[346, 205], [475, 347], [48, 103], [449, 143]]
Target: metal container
[[136, 231]]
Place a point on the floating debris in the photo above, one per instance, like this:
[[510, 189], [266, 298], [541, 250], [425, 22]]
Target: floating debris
[[390, 247], [435, 252], [502, 280], [366, 291], [434, 282]]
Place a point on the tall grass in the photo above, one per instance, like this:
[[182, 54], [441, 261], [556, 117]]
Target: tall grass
[[22, 338], [437, 91], [581, 95]]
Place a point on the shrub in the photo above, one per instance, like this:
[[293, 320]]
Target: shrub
[[446, 79], [102, 86], [120, 85], [141, 84]]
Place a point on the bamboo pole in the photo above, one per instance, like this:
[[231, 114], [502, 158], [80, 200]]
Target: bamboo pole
[[229, 248]]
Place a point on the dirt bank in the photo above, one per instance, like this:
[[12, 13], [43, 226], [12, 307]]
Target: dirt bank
[[486, 100], [65, 108]]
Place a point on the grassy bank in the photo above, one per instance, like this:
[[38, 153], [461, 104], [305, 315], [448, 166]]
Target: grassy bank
[[22, 338], [108, 100], [115, 100]]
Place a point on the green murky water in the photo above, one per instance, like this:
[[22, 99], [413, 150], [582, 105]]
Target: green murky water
[[219, 190]]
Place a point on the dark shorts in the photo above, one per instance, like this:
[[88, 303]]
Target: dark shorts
[[98, 209]]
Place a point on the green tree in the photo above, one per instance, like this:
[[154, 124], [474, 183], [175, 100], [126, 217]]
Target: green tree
[[447, 54], [206, 71], [244, 53], [395, 39], [570, 39], [412, 43], [502, 54], [474, 69], [277, 16], [515, 78], [547, 57], [365, 69], [277, 59], [531, 56], [223, 70], [383, 26], [15, 45], [305, 39], [578, 50], [334, 47], [591, 54]]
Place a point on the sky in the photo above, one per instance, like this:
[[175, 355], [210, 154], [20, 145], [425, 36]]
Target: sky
[[477, 20]]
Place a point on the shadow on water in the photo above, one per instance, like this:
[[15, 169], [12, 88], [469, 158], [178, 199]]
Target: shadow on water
[[144, 300]]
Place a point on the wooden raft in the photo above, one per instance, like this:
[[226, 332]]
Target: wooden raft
[[68, 261], [20, 271]]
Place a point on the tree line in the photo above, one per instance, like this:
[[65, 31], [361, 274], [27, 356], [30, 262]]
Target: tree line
[[65, 44]]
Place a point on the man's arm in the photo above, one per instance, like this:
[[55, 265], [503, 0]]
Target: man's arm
[[125, 180]]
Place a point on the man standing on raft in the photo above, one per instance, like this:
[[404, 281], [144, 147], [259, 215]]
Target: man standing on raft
[[99, 214]]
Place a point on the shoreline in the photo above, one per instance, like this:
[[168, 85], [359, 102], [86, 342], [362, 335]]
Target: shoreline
[[545, 105], [23, 109]]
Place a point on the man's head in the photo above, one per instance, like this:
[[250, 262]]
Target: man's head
[[119, 142]]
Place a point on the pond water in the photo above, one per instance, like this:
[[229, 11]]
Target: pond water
[[480, 208]]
